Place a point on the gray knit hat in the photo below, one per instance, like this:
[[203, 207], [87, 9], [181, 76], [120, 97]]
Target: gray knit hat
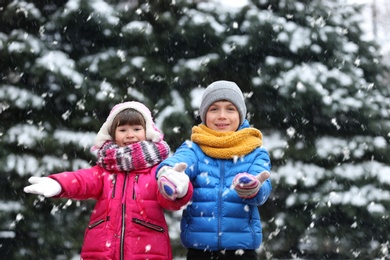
[[222, 90]]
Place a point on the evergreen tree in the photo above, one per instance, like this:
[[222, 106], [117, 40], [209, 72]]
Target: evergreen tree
[[313, 86], [47, 127], [318, 94]]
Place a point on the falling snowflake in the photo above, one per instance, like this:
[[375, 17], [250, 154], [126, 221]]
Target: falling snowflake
[[226, 192], [239, 252], [176, 129], [189, 143], [334, 122], [236, 158], [18, 218], [291, 132], [54, 210], [206, 176], [67, 204]]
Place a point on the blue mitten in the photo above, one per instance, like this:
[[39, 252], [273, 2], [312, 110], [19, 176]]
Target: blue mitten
[[173, 182]]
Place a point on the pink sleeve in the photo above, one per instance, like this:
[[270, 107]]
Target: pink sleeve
[[81, 184], [176, 204]]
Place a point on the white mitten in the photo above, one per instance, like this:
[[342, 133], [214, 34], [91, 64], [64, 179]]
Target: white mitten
[[43, 186], [247, 185], [173, 182]]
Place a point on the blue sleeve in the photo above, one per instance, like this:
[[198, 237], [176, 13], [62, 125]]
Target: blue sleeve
[[185, 153], [261, 163], [264, 193]]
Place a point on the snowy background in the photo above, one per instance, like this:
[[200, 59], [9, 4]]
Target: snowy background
[[314, 84], [374, 28]]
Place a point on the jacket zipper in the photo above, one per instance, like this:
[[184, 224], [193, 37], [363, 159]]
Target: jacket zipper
[[134, 184], [114, 188], [221, 186], [123, 226], [96, 223], [148, 225]]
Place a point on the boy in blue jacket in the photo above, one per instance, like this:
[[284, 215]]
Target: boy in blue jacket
[[229, 170]]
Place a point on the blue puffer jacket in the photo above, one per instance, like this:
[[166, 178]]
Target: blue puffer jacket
[[218, 218]]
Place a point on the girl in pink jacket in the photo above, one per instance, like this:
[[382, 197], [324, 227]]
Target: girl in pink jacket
[[128, 219]]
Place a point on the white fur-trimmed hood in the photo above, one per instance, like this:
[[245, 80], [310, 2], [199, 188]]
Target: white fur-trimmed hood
[[152, 133]]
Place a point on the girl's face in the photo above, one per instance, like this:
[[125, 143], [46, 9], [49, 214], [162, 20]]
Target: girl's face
[[223, 116], [129, 134]]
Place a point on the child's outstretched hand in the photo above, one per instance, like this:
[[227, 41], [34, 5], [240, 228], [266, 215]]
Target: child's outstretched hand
[[173, 182], [43, 186], [248, 185]]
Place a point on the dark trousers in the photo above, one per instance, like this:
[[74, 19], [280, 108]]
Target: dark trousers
[[240, 254]]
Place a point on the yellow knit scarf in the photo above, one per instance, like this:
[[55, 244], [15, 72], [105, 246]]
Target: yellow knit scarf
[[226, 145]]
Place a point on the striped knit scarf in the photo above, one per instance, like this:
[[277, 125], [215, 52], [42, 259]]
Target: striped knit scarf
[[226, 145], [135, 156]]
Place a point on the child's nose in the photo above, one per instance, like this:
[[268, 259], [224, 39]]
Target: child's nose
[[129, 134], [222, 113]]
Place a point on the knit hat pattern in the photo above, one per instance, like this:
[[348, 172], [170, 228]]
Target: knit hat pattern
[[222, 90], [152, 132]]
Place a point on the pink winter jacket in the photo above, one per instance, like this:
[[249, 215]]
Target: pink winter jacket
[[128, 219]]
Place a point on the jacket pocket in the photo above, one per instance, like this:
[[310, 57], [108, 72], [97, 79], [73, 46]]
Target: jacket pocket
[[148, 225], [96, 223]]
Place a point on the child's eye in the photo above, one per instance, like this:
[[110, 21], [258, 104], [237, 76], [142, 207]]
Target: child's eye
[[138, 128]]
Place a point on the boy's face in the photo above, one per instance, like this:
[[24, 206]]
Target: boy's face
[[129, 134], [223, 116]]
